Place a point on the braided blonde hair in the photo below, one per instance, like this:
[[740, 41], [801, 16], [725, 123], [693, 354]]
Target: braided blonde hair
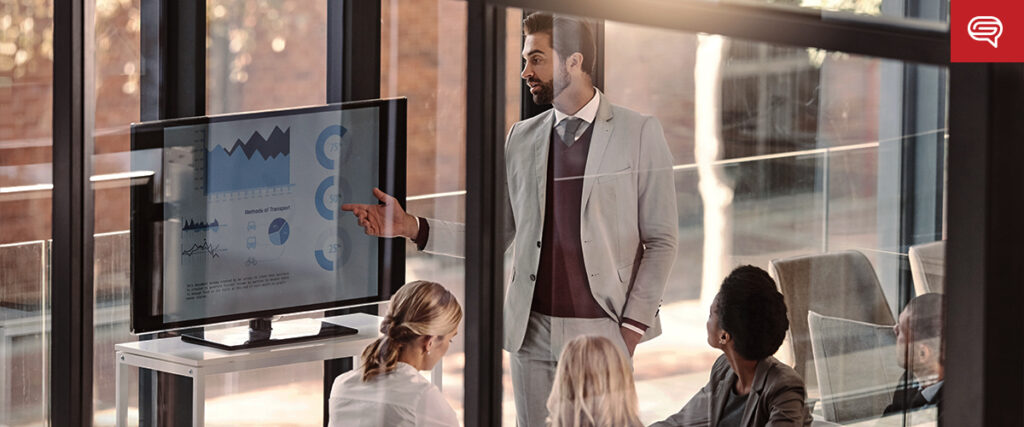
[[419, 309], [593, 386]]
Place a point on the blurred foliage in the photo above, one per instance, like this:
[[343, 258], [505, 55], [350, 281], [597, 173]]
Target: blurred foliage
[[26, 40], [246, 25]]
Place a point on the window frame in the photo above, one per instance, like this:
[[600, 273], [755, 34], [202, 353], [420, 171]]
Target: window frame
[[982, 232]]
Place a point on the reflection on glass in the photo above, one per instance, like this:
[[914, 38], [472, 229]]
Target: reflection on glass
[[716, 194]]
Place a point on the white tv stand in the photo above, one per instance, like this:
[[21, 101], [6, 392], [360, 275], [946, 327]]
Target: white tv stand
[[172, 355]]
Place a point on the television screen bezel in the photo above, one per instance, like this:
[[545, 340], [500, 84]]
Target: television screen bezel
[[147, 216]]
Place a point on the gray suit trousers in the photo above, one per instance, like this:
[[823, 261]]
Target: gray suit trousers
[[533, 366]]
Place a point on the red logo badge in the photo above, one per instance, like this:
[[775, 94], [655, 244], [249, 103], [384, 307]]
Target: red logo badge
[[987, 31]]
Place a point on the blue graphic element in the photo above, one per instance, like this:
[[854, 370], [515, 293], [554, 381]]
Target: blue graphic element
[[325, 263], [321, 141], [240, 168], [331, 249], [278, 231], [318, 201], [191, 225]]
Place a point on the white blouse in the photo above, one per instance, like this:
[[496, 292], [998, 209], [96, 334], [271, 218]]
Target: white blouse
[[399, 398]]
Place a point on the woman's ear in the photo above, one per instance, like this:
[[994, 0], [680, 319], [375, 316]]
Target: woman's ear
[[428, 343]]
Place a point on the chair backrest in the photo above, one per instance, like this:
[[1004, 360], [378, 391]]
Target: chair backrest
[[856, 364], [928, 267], [839, 284]]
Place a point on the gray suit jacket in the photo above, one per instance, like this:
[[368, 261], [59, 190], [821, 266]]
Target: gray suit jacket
[[776, 398], [628, 214]]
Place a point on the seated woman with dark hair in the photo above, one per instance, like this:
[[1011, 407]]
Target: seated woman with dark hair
[[748, 387]]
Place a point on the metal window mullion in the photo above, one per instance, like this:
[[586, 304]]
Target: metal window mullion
[[173, 85], [353, 73], [71, 339], [485, 180]]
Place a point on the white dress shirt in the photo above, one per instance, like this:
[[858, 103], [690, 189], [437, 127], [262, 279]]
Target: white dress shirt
[[400, 398], [587, 114]]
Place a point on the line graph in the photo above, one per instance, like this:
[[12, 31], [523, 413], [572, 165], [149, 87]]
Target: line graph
[[202, 249]]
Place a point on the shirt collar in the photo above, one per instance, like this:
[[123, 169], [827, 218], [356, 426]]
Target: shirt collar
[[587, 113], [405, 367], [929, 392]]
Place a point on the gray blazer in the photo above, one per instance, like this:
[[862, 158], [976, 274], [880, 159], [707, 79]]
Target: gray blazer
[[628, 218], [776, 398]]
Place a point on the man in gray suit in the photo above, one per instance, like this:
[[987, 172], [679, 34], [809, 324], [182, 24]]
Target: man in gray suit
[[591, 211]]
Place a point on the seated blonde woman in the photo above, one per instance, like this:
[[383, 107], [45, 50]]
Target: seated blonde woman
[[593, 386], [388, 389]]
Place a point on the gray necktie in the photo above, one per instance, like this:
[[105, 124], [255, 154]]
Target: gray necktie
[[567, 130]]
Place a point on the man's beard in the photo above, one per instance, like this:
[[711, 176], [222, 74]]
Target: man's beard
[[550, 89], [546, 93]]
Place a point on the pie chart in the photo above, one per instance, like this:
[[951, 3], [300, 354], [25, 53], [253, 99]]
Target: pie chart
[[278, 231]]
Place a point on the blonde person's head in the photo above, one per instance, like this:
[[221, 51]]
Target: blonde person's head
[[418, 309], [593, 386]]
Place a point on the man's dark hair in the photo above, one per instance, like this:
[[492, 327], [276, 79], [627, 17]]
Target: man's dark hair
[[925, 316], [568, 36], [753, 312]]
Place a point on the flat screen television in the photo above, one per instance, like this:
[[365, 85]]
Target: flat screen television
[[240, 217]]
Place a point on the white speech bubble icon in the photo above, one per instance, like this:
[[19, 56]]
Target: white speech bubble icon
[[986, 29]]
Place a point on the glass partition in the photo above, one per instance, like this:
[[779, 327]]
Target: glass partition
[[423, 58], [118, 91], [796, 161], [26, 176]]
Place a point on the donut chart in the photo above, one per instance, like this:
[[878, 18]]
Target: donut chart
[[342, 149], [331, 249], [321, 206], [327, 201]]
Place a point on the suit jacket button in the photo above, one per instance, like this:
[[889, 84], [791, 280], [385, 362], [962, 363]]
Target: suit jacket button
[[538, 243], [533, 277]]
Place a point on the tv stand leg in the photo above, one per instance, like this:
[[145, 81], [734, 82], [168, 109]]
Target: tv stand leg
[[123, 385], [198, 399]]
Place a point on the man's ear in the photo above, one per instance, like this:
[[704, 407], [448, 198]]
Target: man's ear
[[922, 353], [574, 61]]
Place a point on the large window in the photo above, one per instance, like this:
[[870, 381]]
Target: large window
[[794, 160], [26, 96]]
